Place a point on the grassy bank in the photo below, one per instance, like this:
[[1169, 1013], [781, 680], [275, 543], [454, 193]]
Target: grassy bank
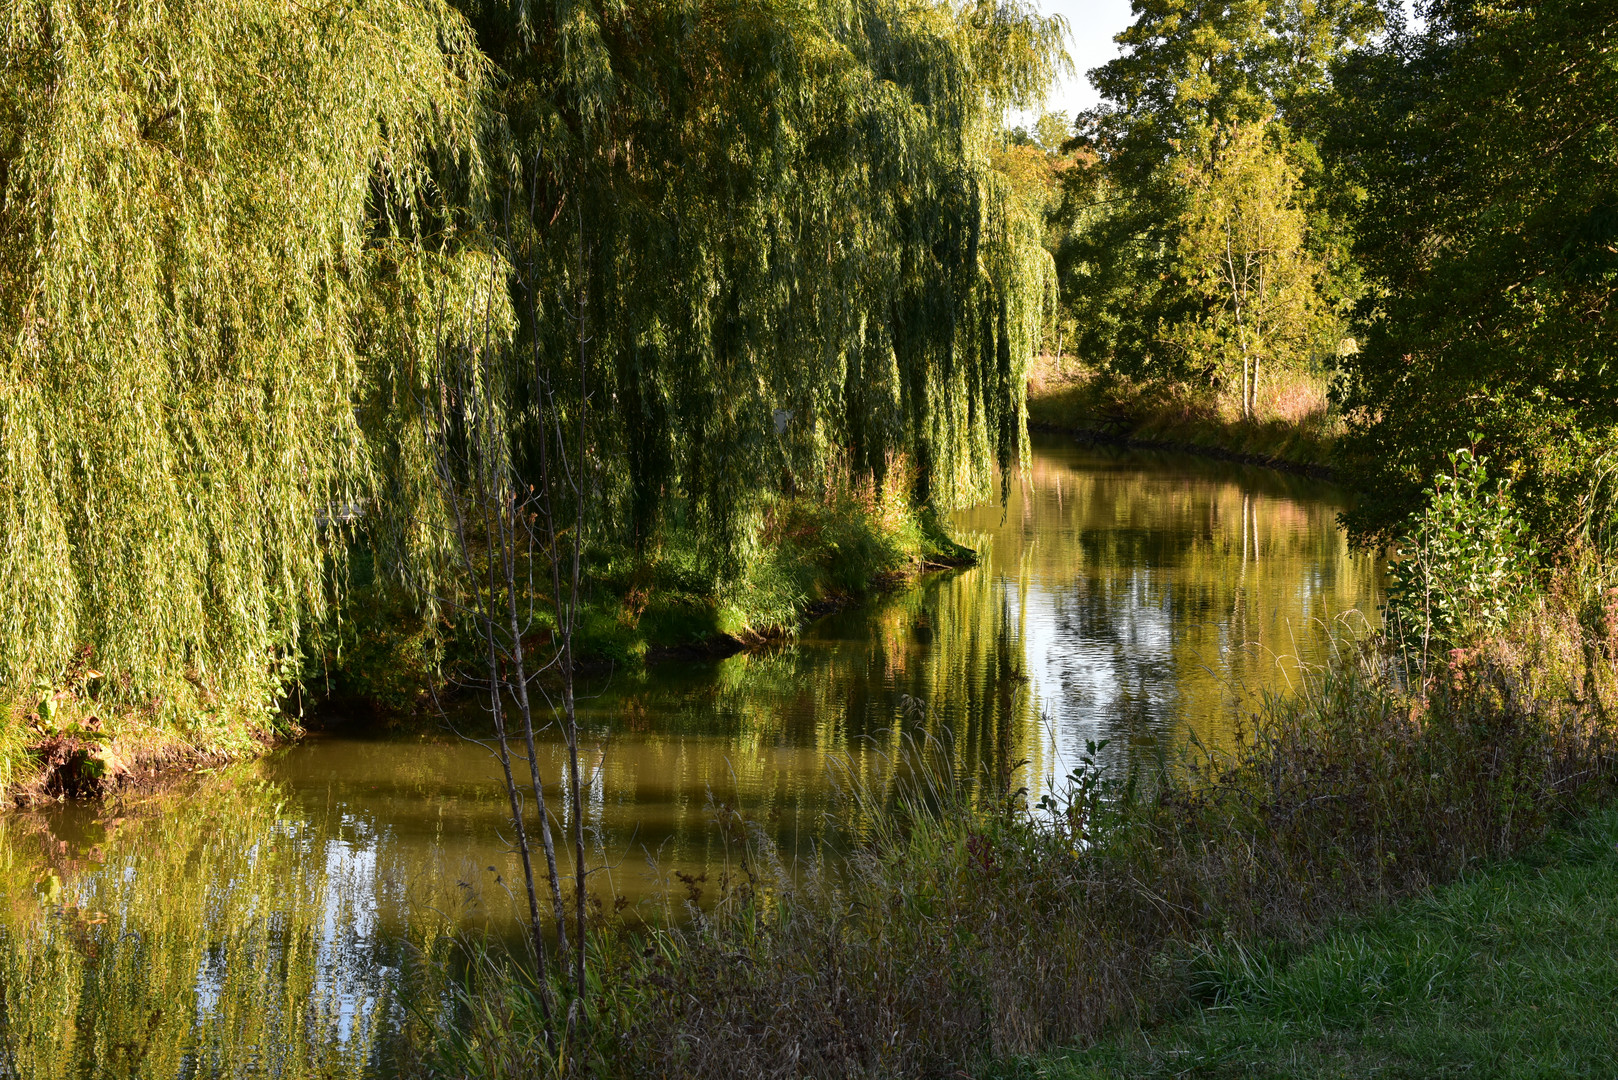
[[971, 928], [1510, 972], [803, 556], [64, 742], [1294, 423], [385, 659]]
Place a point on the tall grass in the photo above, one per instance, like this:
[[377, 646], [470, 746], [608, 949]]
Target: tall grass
[[972, 923]]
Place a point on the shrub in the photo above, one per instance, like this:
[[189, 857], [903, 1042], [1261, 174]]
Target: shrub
[[1467, 558]]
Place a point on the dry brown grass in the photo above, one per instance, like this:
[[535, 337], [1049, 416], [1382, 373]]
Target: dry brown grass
[[1295, 421]]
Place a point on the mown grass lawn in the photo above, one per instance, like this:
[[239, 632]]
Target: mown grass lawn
[[1512, 972]]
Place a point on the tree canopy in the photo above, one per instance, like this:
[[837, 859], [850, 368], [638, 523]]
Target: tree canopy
[[216, 222], [759, 241], [1188, 72], [791, 249], [1486, 151], [1242, 248]]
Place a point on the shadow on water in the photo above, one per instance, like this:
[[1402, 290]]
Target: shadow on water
[[274, 918]]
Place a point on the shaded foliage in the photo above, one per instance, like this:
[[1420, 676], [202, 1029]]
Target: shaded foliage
[[771, 232], [1485, 152]]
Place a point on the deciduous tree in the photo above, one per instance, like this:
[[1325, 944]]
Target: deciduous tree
[[1485, 148], [1244, 253]]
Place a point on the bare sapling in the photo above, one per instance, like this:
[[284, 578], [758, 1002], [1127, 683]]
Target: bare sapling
[[517, 528]]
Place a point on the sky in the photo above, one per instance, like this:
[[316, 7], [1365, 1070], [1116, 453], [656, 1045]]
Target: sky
[[1091, 26]]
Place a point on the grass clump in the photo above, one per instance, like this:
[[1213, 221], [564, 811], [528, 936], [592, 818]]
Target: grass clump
[[1293, 422]]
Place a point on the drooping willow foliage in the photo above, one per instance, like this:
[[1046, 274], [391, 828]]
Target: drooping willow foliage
[[757, 241], [217, 225], [777, 222]]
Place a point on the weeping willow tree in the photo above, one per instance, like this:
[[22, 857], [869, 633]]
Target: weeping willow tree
[[224, 236], [768, 234], [752, 244]]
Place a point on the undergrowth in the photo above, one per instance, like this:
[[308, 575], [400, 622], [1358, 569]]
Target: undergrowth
[[968, 926], [1294, 423], [73, 738], [804, 554]]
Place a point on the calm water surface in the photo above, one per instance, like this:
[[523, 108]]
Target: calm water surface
[[262, 920]]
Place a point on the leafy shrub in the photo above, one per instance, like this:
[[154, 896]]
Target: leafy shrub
[[1467, 559]]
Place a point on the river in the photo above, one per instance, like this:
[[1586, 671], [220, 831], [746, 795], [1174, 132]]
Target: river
[[260, 920]]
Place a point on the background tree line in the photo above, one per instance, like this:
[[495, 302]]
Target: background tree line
[[1419, 213]]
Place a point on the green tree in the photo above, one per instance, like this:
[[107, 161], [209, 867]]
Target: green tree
[[1243, 252], [1187, 69], [1187, 66], [225, 235], [781, 227], [1489, 229], [750, 242]]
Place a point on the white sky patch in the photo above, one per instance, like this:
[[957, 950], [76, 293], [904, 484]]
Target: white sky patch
[[1091, 27]]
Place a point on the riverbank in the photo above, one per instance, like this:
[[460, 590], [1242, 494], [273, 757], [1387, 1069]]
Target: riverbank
[[969, 929], [69, 746], [384, 664], [1294, 428], [1509, 973], [805, 558]]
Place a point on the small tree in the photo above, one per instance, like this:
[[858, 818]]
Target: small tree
[[1243, 253]]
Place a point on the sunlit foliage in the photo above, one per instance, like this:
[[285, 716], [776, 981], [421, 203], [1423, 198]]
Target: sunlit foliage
[[1188, 71], [759, 242], [216, 224], [1244, 255]]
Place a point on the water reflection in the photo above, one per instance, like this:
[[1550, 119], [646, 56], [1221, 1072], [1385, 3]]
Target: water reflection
[[272, 920], [207, 932], [1156, 593]]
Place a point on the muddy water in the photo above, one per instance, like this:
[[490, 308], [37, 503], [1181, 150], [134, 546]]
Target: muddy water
[[265, 920]]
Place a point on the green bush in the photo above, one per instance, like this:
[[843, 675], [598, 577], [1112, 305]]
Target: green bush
[[1467, 559]]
